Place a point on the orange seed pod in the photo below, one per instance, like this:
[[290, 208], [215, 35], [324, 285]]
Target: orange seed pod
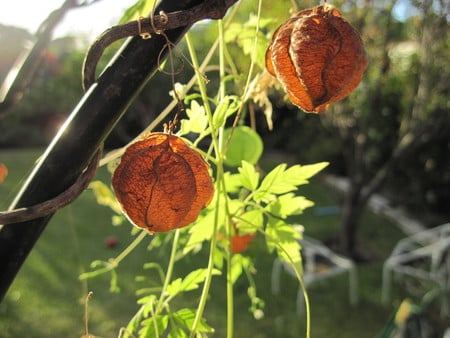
[[161, 183], [318, 57]]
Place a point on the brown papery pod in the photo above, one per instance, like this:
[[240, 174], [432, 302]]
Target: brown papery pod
[[318, 57], [161, 183]]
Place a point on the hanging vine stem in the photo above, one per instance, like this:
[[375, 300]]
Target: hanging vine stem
[[298, 275], [219, 178]]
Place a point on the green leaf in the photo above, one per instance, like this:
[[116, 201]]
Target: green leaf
[[226, 107], [273, 183], [249, 176], [233, 182], [288, 205], [185, 318], [194, 278], [244, 35], [176, 331], [245, 145], [281, 180], [285, 240], [150, 300], [105, 196], [154, 326], [197, 121], [236, 268], [200, 231], [218, 259], [238, 264], [250, 222], [174, 287], [140, 8], [190, 282], [299, 174]]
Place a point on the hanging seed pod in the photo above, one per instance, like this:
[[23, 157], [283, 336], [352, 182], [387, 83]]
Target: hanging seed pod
[[318, 57], [161, 183]]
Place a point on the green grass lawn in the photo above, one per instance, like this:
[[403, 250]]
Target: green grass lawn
[[46, 299]]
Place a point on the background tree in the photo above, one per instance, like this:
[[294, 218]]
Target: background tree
[[399, 109]]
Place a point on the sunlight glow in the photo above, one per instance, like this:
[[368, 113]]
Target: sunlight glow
[[89, 20]]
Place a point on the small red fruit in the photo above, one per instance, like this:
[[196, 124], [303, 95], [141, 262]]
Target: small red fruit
[[111, 242], [239, 243], [3, 172]]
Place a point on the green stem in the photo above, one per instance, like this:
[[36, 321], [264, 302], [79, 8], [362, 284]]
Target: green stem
[[208, 279], [131, 247], [163, 295], [114, 262], [300, 281], [229, 254], [203, 93], [169, 271], [209, 274]]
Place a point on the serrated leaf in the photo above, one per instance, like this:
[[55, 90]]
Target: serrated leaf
[[299, 174], [194, 278], [250, 222], [236, 268], [185, 318], [249, 176], [174, 287], [190, 282], [244, 35], [200, 231], [197, 120], [285, 240], [177, 332], [288, 205], [238, 264], [281, 180], [150, 299], [154, 326], [273, 183], [232, 182]]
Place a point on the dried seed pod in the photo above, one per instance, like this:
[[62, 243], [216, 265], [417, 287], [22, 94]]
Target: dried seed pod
[[162, 183], [318, 57]]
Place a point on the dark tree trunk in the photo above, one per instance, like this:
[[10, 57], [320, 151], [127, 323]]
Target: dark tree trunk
[[351, 213]]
